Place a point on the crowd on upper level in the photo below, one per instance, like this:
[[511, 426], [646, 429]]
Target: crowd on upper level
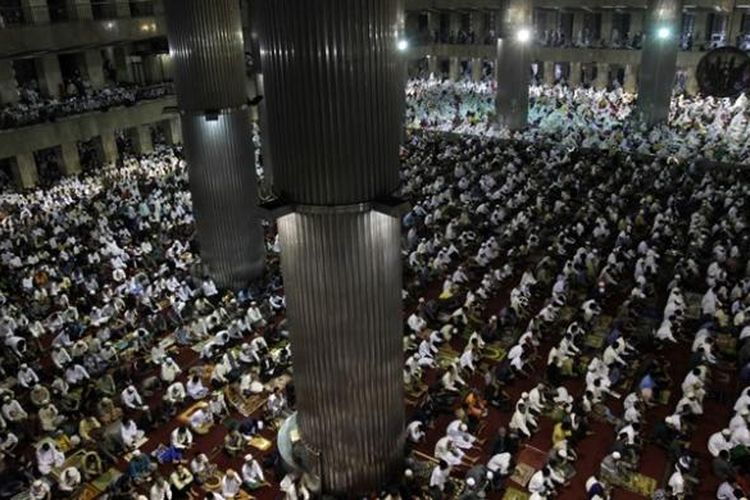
[[78, 97]]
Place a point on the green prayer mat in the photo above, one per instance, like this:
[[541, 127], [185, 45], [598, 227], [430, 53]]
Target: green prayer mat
[[639, 484], [102, 482]]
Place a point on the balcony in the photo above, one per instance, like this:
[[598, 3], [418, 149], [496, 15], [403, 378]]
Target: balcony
[[77, 26]]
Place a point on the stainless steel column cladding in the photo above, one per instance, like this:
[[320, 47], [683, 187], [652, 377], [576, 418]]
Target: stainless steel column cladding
[[659, 60], [206, 42], [514, 66], [335, 99]]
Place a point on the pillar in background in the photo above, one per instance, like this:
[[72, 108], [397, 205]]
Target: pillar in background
[[94, 67], [636, 22], [577, 26], [513, 63], [478, 25], [476, 69], [549, 72], [80, 10], [71, 161], [659, 60], [141, 138], [574, 80], [336, 108], [602, 76], [25, 174], [454, 24], [49, 75], [692, 87], [700, 29], [35, 11], [433, 24], [208, 50], [8, 84], [605, 28], [630, 83], [454, 69], [735, 25], [432, 65], [122, 68], [173, 130], [109, 147], [122, 8]]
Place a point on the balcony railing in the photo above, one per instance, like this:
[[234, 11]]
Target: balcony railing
[[37, 110]]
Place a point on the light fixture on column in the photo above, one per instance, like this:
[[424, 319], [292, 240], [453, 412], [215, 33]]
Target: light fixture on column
[[402, 45], [523, 35], [663, 33]]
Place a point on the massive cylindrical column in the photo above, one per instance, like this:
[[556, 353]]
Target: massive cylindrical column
[[513, 63], [659, 60], [334, 91], [207, 48]]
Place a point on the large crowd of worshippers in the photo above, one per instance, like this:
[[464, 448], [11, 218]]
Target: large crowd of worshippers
[[712, 128], [588, 306], [79, 97]]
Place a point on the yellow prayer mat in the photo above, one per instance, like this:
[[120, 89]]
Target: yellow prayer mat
[[260, 442], [184, 417], [87, 492], [522, 474], [639, 484]]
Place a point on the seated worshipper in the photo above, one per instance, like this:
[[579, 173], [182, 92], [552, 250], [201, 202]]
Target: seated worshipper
[[173, 397], [451, 380], [614, 470], [446, 450], [440, 485], [48, 457], [169, 370], [249, 384], [39, 490], [181, 438], [181, 478], [130, 434], [230, 484], [195, 388], [254, 317], [252, 474], [69, 480], [202, 468], [12, 410], [720, 441], [595, 490], [545, 482], [501, 465], [458, 431], [201, 420], [276, 404], [160, 490], [132, 401], [235, 443], [140, 466], [50, 418], [415, 432]]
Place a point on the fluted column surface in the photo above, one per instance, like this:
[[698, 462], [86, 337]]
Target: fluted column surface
[[342, 278], [659, 61], [206, 41], [337, 95], [207, 46], [224, 189], [513, 67]]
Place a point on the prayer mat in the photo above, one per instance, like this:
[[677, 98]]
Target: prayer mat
[[664, 396], [602, 325], [246, 405], [522, 474], [200, 345], [102, 482], [184, 417], [727, 344], [446, 356], [595, 341], [514, 494], [494, 352], [693, 303], [640, 485], [260, 443], [534, 457], [555, 413], [213, 483], [87, 492]]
